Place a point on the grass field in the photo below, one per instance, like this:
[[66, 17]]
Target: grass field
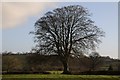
[[57, 77]]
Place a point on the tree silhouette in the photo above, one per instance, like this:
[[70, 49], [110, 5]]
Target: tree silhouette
[[66, 31], [95, 60], [110, 68], [10, 63]]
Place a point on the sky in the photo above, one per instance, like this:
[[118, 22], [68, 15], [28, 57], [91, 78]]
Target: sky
[[18, 20]]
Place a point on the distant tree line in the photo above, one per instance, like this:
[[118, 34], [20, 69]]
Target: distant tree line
[[34, 62]]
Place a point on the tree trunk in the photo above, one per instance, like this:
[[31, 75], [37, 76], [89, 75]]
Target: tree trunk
[[64, 61], [66, 68]]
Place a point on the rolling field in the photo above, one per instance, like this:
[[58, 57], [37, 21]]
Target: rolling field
[[57, 77]]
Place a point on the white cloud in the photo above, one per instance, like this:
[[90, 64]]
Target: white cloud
[[16, 13]]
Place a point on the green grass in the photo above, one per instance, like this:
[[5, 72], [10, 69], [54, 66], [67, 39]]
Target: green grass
[[57, 77]]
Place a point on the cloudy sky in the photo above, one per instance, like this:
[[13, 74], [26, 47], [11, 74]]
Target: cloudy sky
[[18, 20]]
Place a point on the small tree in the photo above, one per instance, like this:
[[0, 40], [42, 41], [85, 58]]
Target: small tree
[[110, 68], [95, 60], [9, 63], [66, 31]]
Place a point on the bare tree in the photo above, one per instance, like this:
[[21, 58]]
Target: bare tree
[[10, 63], [66, 31], [95, 60], [110, 68]]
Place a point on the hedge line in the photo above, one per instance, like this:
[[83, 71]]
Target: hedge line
[[100, 73], [26, 72], [81, 73]]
